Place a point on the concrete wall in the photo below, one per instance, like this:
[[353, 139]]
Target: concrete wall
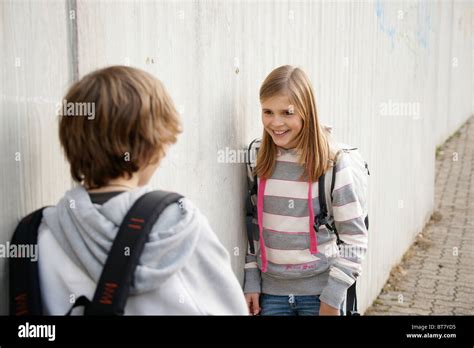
[[394, 78]]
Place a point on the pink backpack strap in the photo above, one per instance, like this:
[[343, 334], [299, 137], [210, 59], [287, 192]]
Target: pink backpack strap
[[260, 196]]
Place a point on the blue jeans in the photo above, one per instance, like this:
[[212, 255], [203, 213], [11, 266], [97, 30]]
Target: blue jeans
[[292, 305]]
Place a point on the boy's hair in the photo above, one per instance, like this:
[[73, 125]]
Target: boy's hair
[[313, 143], [134, 122]]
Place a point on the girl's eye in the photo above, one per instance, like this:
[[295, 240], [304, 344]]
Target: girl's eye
[[267, 112], [289, 113]]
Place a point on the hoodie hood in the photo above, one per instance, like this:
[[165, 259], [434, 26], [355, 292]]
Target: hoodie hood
[[86, 232]]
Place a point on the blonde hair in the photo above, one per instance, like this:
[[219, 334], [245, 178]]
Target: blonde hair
[[313, 143]]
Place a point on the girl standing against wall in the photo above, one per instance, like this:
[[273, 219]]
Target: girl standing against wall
[[294, 270]]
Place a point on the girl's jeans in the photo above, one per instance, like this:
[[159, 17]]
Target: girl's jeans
[[292, 305]]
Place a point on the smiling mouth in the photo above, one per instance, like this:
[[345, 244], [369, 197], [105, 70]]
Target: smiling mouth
[[279, 133]]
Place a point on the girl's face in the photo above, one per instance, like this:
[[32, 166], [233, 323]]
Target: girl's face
[[281, 120]]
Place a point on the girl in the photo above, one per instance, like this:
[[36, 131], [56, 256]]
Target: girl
[[294, 270]]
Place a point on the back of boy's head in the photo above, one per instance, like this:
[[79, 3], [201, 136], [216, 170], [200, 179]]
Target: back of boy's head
[[134, 122]]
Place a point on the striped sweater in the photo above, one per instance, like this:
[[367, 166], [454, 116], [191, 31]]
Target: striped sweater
[[287, 259]]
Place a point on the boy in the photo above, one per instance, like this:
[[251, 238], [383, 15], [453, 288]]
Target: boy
[[183, 268]]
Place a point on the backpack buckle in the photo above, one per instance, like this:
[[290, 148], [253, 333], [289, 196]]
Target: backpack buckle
[[319, 221]]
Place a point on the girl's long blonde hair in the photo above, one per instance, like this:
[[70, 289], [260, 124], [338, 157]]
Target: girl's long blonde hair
[[313, 147]]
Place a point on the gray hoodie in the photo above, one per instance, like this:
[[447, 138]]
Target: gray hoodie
[[184, 269]]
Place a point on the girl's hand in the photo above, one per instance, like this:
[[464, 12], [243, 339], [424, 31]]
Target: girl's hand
[[253, 303], [325, 309]]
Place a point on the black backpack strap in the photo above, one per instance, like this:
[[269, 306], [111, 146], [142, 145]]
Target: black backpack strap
[[249, 224], [250, 207], [25, 293], [351, 301], [323, 217], [81, 301], [333, 180], [117, 276], [333, 183]]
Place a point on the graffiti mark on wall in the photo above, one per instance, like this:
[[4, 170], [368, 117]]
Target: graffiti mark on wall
[[410, 26]]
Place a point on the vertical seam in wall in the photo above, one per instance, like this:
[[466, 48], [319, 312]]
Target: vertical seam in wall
[[73, 40], [73, 47], [450, 70]]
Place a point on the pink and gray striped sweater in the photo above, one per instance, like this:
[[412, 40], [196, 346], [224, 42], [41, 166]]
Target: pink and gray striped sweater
[[290, 258]]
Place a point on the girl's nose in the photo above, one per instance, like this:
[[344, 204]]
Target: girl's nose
[[277, 121]]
